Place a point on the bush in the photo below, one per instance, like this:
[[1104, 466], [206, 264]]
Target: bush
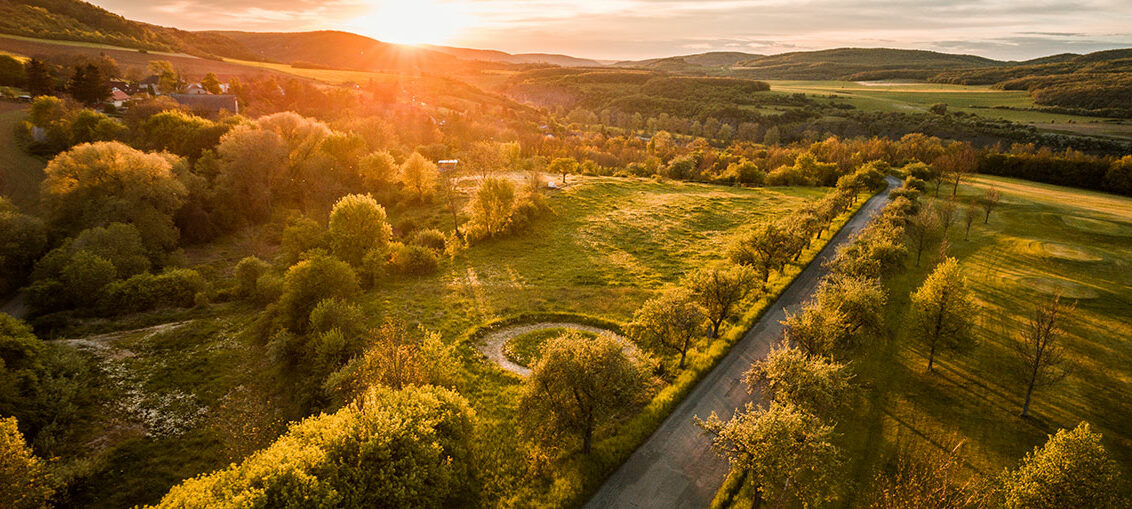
[[309, 282], [431, 238], [358, 225], [248, 272], [334, 313], [144, 292], [413, 260]]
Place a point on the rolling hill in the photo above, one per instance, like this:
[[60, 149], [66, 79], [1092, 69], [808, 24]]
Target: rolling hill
[[855, 64]]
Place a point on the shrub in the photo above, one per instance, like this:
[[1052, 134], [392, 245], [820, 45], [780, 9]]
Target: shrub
[[358, 225], [338, 314], [248, 272], [431, 238], [407, 448], [310, 281], [413, 260], [144, 292]]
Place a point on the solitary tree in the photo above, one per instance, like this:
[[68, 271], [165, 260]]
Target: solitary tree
[[989, 201], [942, 310], [491, 205], [719, 290], [671, 320], [1041, 359], [813, 383], [947, 213], [1072, 469], [781, 449], [577, 385], [970, 213], [922, 228], [418, 173], [563, 166], [357, 226]]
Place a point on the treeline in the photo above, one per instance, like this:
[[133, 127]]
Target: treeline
[[1068, 168]]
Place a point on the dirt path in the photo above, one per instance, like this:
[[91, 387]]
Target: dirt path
[[491, 344], [676, 467]]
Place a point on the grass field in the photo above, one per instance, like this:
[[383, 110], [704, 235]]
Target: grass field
[[1042, 240], [524, 349], [905, 97]]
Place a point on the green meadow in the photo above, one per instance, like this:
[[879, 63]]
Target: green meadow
[[1043, 240]]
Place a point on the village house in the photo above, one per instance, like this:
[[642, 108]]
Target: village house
[[210, 104]]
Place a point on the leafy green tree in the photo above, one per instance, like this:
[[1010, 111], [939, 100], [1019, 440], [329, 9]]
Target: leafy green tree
[[87, 85], [817, 329], [491, 205], [252, 166], [120, 244], [719, 290], [815, 384], [1040, 357], [86, 275], [393, 357], [943, 310], [418, 173], [169, 81], [413, 259], [860, 301], [21, 365], [378, 170], [391, 448], [781, 449], [1072, 469], [766, 248], [301, 234], [310, 281], [89, 126], [671, 321], [97, 184], [247, 274], [357, 226], [24, 480], [181, 133], [576, 386]]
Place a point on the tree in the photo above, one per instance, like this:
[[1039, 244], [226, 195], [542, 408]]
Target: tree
[[958, 159], [946, 212], [168, 79], [563, 166], [671, 320], [942, 310], [357, 226], [781, 449], [485, 157], [989, 201], [96, 184], [390, 448], [393, 357], [923, 227], [38, 78], [377, 170], [22, 241], [817, 329], [251, 166], [860, 301], [719, 290], [920, 479], [491, 205], [418, 173], [211, 83], [765, 248], [22, 355], [1041, 358], [970, 213], [310, 281], [87, 85], [812, 383], [577, 385], [24, 482], [1072, 469]]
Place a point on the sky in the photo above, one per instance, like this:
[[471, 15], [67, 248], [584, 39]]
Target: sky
[[636, 29]]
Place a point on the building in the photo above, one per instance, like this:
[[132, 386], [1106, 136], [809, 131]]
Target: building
[[196, 89], [447, 165], [208, 103], [118, 97]]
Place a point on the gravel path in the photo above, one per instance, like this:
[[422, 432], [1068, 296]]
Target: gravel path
[[491, 344]]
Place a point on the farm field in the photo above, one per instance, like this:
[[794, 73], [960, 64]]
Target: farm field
[[1042, 240], [906, 97]]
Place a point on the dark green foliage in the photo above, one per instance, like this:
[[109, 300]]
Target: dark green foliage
[[430, 238], [248, 272], [144, 292], [87, 85], [38, 79], [21, 365], [309, 282], [11, 72], [181, 133], [22, 240], [1085, 172]]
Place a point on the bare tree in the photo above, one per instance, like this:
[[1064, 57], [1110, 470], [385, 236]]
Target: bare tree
[[1040, 354], [947, 212], [922, 227], [970, 213], [989, 201]]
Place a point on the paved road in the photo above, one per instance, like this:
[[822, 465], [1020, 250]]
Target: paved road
[[676, 467]]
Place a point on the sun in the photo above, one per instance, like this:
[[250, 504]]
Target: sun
[[413, 21]]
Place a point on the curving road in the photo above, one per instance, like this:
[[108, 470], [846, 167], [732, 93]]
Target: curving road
[[676, 467]]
